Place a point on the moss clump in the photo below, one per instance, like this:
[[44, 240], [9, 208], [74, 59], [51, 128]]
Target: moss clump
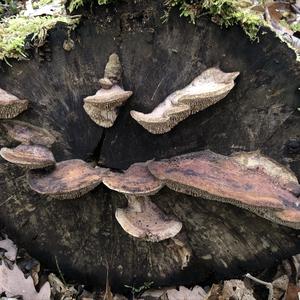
[[224, 12], [15, 30], [74, 4]]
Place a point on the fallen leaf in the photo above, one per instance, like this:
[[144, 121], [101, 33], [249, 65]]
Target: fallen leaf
[[10, 248], [280, 286], [13, 282], [236, 289], [197, 293], [292, 292]]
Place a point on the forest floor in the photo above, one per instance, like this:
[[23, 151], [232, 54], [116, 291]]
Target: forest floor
[[23, 277]]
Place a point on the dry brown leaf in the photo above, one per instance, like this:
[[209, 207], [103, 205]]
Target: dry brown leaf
[[231, 289], [156, 293], [292, 292], [215, 292], [10, 247], [236, 289], [13, 282], [280, 286], [197, 293]]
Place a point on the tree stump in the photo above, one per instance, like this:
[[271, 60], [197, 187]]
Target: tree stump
[[83, 234]]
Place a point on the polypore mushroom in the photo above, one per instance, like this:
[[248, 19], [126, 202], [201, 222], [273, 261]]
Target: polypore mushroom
[[29, 156], [135, 180], [102, 107], [205, 90], [28, 134], [144, 220], [10, 105], [216, 177], [70, 179]]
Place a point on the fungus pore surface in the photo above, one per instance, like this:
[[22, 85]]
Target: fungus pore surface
[[143, 219], [10, 105]]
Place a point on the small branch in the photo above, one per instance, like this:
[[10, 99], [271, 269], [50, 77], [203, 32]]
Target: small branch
[[268, 285], [59, 271]]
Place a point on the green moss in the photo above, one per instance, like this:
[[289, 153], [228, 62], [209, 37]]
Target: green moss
[[224, 12], [15, 30], [74, 4], [40, 3]]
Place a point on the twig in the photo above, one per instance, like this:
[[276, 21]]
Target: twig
[[158, 86], [108, 294], [268, 285], [59, 271], [2, 203]]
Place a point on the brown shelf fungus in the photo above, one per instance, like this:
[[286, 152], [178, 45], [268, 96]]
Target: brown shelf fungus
[[205, 90], [70, 179], [255, 160], [216, 177], [28, 134], [135, 180], [102, 107], [10, 105], [143, 219], [29, 156]]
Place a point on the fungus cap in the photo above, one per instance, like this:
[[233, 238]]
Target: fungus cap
[[214, 176], [205, 90], [143, 219], [105, 83], [10, 105], [29, 156], [256, 161], [108, 98], [289, 217], [28, 134], [70, 179], [135, 180]]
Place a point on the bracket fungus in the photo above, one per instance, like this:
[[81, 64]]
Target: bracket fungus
[[254, 160], [102, 107], [205, 90], [28, 134], [216, 177], [135, 180], [144, 220], [29, 156], [10, 105], [69, 180]]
